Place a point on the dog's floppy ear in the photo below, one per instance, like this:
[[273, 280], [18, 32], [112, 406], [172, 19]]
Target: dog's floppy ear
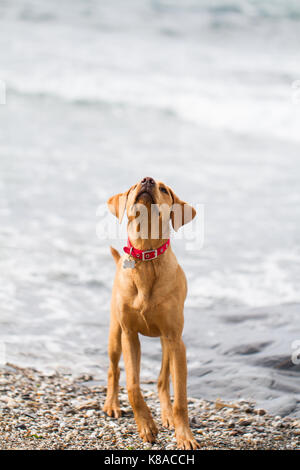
[[117, 204], [181, 212]]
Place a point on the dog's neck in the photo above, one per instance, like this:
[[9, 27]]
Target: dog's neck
[[147, 233]]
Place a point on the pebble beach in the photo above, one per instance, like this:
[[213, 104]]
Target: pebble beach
[[58, 411]]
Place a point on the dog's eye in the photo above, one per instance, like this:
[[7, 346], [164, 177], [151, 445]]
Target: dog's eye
[[163, 190]]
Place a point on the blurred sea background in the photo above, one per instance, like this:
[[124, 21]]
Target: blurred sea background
[[196, 93]]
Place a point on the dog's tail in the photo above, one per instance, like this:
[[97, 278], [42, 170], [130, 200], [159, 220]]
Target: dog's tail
[[116, 255]]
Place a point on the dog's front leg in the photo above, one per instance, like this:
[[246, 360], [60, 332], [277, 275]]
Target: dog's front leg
[[163, 386], [184, 436], [132, 355], [112, 405]]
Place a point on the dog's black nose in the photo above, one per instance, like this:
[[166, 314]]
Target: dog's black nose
[[148, 181]]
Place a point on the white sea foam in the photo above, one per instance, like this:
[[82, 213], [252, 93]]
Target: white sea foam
[[253, 285]]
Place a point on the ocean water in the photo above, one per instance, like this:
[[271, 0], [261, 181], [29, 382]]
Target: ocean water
[[200, 94]]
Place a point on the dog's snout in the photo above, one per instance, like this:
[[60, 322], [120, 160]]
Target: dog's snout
[[148, 181]]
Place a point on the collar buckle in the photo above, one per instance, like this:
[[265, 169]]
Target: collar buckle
[[146, 255]]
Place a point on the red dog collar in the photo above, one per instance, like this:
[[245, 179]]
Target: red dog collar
[[145, 255]]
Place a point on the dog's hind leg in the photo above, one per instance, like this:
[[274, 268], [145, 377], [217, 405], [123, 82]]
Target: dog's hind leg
[[112, 405], [163, 386]]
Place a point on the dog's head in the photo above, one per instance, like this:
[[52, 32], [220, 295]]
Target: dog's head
[[154, 203]]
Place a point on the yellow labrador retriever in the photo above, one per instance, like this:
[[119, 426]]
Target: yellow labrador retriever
[[148, 297]]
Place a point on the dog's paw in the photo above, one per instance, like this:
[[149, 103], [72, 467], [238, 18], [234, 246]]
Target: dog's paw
[[148, 431], [167, 418], [186, 441], [112, 409]]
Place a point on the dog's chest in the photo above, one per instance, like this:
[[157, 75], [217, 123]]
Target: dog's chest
[[140, 282], [142, 314], [145, 294], [141, 295], [150, 296]]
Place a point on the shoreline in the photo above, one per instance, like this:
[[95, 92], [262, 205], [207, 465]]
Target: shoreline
[[57, 411]]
